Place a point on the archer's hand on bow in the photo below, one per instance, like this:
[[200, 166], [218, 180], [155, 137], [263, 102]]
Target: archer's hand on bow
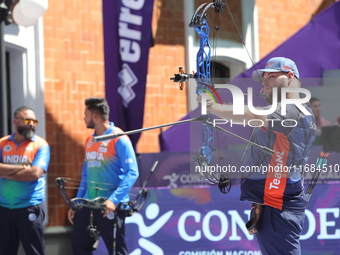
[[110, 207], [209, 101]]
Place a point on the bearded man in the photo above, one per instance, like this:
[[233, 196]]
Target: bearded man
[[24, 159]]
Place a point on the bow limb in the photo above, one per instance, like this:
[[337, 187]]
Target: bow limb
[[77, 203], [137, 204], [60, 183]]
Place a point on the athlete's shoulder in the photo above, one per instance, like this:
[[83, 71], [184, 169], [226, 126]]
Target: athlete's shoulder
[[40, 140], [4, 140], [88, 139], [117, 130]]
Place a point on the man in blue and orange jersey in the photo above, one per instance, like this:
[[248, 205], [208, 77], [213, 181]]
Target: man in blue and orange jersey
[[274, 184], [24, 159], [110, 170]]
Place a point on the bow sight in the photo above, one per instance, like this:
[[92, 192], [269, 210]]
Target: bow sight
[[182, 77]]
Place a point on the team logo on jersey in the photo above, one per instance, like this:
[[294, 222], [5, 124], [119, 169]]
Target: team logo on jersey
[[129, 160], [110, 216], [42, 163], [104, 143], [89, 144], [102, 149], [32, 217], [7, 148]]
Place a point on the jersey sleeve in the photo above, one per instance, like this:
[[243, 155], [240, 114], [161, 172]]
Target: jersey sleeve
[[42, 157], [83, 184], [127, 157]]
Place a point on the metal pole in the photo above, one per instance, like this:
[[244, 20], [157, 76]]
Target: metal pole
[[3, 84]]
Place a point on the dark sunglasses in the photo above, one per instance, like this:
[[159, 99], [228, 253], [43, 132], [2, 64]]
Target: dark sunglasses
[[28, 120]]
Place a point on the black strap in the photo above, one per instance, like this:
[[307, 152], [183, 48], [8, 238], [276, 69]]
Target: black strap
[[253, 225]]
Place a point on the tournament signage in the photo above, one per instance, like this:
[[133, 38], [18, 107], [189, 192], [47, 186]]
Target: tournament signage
[[127, 39], [203, 221]]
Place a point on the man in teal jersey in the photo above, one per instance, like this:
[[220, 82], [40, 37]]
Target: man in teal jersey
[[24, 158], [110, 170]]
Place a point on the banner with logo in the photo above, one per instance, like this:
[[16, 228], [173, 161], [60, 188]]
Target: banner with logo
[[127, 39], [204, 221]]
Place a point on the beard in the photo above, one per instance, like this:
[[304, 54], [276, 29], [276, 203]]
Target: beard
[[90, 124], [26, 131]]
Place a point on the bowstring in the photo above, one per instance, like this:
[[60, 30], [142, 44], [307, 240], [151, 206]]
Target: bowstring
[[217, 18], [241, 37], [77, 182], [251, 59], [74, 184]]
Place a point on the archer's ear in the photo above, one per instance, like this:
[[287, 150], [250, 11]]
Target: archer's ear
[[94, 116], [290, 75], [97, 118]]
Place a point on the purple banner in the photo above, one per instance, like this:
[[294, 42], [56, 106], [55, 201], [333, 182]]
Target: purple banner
[[205, 221], [127, 39], [318, 37]]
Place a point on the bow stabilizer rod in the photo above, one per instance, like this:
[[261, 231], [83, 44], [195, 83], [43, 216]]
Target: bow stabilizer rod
[[113, 136], [182, 77], [203, 119]]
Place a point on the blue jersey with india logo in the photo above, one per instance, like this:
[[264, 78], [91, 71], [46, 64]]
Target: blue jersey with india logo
[[110, 168], [33, 152]]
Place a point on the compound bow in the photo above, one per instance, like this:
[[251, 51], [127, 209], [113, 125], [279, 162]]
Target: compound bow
[[203, 79], [77, 203], [204, 85]]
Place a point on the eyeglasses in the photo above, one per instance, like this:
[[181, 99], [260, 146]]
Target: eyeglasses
[[28, 120]]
